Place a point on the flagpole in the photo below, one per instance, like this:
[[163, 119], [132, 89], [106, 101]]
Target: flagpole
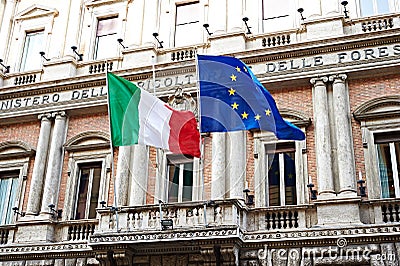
[[115, 205], [201, 142]]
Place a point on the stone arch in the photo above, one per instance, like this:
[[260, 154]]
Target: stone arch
[[296, 117], [15, 148], [88, 139], [377, 108]]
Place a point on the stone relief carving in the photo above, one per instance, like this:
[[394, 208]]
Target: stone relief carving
[[182, 101]]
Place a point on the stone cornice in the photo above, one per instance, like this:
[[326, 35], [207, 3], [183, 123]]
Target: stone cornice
[[302, 49], [45, 251]]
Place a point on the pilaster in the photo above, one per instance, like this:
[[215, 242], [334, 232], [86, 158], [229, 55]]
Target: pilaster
[[322, 138]]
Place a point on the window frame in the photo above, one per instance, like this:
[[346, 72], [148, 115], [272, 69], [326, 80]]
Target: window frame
[[375, 11], [96, 37], [84, 149], [289, 23], [197, 22], [393, 161], [264, 138], [88, 204], [181, 163], [289, 146], [377, 116], [21, 153], [162, 173], [26, 55]]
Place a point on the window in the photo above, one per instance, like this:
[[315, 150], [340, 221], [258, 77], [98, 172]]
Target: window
[[88, 190], [34, 43], [281, 183], [180, 178], [388, 151], [106, 39], [8, 193], [187, 25], [276, 17], [374, 7]]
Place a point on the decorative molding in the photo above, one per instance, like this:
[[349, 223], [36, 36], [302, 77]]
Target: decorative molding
[[375, 108], [21, 148], [102, 140], [36, 11], [296, 117], [146, 237]]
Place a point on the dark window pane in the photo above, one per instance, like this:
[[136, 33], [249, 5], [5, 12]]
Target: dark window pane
[[88, 191], [290, 179], [94, 198], [187, 182], [173, 183], [274, 180], [82, 194]]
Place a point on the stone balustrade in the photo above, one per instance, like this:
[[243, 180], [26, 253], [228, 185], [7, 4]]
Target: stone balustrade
[[7, 234], [380, 211], [182, 215], [77, 230], [281, 218]]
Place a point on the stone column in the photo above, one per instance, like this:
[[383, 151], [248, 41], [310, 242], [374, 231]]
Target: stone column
[[139, 175], [236, 163], [322, 138], [344, 143], [36, 186], [53, 174], [218, 166], [122, 176]]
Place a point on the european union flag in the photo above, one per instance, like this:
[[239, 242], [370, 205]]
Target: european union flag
[[232, 99]]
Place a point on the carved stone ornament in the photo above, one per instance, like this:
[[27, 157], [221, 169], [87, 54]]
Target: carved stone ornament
[[182, 101]]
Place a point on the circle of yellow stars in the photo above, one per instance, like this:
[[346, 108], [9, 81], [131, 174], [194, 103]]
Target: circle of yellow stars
[[235, 105]]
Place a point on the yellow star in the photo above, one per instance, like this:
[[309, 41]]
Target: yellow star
[[257, 117], [276, 173], [238, 69], [235, 106], [245, 115], [231, 91], [290, 176], [233, 77], [268, 112]]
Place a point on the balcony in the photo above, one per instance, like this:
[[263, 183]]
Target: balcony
[[380, 211], [7, 233], [76, 230]]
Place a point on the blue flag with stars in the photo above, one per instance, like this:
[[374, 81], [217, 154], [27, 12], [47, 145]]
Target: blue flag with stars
[[232, 99]]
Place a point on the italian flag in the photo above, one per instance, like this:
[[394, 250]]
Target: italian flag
[[137, 117]]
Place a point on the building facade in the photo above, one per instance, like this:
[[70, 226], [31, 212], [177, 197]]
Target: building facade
[[68, 198]]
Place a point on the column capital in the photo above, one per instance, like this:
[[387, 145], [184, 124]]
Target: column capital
[[338, 78], [45, 116], [60, 114], [316, 80]]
